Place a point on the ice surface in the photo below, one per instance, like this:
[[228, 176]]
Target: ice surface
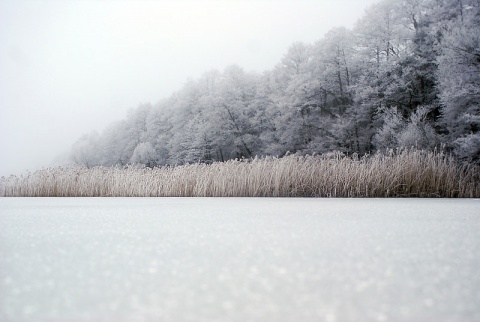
[[239, 259]]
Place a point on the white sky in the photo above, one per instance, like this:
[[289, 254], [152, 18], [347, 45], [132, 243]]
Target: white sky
[[70, 67]]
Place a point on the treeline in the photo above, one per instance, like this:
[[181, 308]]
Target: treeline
[[408, 74]]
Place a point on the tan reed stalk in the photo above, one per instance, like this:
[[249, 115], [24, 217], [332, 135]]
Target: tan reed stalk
[[402, 173]]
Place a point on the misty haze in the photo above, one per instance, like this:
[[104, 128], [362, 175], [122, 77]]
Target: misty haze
[[350, 113]]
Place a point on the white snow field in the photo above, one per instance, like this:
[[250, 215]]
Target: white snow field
[[239, 259]]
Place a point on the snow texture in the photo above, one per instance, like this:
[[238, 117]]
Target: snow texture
[[234, 259]]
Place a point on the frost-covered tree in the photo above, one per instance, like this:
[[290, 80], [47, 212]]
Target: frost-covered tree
[[184, 105], [397, 69], [287, 127], [234, 102], [297, 57], [398, 131], [459, 82], [387, 136], [144, 153], [378, 49], [418, 132], [85, 150], [159, 131], [333, 74]]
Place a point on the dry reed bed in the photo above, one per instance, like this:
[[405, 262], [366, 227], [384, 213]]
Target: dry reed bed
[[406, 173]]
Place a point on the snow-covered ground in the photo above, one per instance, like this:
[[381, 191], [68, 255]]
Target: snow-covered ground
[[234, 259]]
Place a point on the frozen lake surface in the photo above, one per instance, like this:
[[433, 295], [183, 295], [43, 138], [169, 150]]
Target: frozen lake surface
[[234, 259]]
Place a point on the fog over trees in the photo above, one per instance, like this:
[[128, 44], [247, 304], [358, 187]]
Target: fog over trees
[[408, 74]]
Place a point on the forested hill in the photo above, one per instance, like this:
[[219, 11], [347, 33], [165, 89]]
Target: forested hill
[[408, 74]]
